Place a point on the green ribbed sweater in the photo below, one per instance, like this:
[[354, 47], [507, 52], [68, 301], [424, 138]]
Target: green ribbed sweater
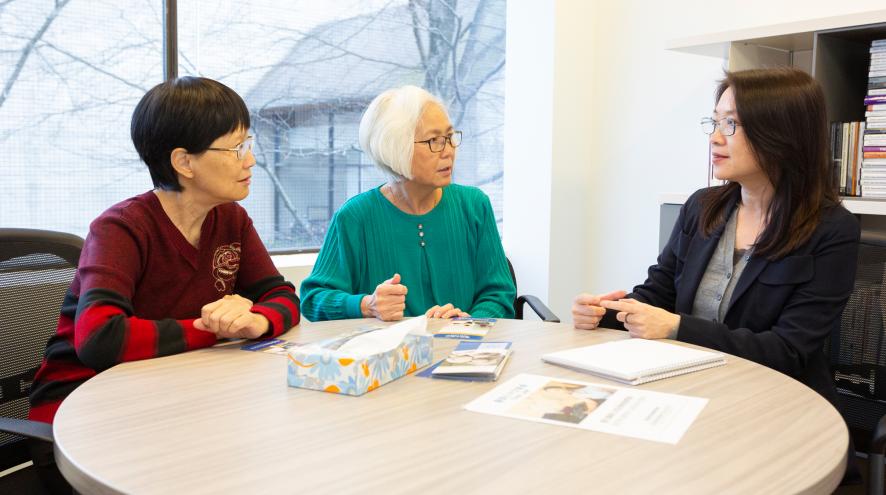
[[369, 240]]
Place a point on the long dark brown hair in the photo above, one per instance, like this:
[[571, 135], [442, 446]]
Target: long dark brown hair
[[782, 112]]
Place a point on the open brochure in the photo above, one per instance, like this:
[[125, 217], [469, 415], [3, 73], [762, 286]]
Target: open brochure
[[644, 414], [636, 361], [473, 361]]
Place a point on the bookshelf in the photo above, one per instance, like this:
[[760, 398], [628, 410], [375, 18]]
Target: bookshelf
[[834, 50]]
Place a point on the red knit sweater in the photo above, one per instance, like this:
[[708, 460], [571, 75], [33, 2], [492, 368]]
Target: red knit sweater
[[140, 285]]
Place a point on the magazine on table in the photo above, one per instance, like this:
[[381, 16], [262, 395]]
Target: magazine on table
[[472, 361], [466, 328], [629, 412], [271, 346]]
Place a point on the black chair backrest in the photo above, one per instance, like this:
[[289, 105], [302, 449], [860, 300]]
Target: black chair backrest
[[857, 350], [36, 269]]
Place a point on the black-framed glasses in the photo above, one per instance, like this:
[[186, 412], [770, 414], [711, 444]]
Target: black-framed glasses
[[727, 125], [436, 144], [242, 149]]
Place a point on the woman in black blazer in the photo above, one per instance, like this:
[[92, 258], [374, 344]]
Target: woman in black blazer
[[762, 266]]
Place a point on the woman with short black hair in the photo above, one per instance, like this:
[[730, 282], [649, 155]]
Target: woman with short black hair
[[175, 268]]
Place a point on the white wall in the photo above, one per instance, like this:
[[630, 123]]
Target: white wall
[[623, 115], [599, 120], [528, 132]]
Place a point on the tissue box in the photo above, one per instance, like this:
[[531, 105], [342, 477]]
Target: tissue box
[[321, 366]]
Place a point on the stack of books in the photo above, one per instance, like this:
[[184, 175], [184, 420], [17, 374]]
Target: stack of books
[[873, 169]]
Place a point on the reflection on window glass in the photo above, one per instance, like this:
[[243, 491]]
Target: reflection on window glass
[[70, 74], [308, 69]]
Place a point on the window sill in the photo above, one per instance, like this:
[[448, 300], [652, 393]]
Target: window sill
[[300, 260]]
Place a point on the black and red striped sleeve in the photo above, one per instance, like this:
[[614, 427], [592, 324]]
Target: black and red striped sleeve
[[259, 281], [274, 299], [106, 332]]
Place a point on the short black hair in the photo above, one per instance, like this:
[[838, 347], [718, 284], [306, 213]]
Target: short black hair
[[187, 112]]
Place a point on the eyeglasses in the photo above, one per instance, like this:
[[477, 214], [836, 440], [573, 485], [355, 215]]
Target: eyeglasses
[[242, 149], [436, 144], [727, 125]]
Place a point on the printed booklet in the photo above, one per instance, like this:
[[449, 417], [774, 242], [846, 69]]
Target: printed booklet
[[271, 346], [472, 361], [466, 328]]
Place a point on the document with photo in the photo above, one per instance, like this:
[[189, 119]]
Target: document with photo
[[629, 412]]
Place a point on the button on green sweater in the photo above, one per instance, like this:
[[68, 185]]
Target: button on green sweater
[[451, 254]]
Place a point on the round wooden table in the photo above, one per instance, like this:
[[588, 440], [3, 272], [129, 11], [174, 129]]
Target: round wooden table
[[223, 420]]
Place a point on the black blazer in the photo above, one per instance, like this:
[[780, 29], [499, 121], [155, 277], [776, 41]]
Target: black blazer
[[781, 312]]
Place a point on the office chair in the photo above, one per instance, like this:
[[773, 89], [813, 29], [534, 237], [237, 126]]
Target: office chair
[[534, 302], [858, 359], [36, 268]]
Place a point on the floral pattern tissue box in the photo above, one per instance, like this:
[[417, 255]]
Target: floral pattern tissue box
[[363, 360]]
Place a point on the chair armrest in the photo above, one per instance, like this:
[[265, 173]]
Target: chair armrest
[[875, 458], [878, 439], [539, 307], [26, 428]]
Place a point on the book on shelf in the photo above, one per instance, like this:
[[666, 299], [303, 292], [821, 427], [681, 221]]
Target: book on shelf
[[636, 361], [872, 174], [836, 155], [474, 361]]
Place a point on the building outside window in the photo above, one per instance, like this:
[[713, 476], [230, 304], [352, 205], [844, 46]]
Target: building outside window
[[73, 70]]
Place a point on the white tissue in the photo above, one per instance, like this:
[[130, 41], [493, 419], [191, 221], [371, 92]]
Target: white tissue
[[383, 340]]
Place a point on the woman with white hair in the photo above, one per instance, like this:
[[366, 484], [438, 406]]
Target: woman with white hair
[[418, 244]]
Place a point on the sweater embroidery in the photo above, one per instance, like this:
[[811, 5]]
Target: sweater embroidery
[[225, 264]]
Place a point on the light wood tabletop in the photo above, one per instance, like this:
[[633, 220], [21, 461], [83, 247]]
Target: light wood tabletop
[[223, 420]]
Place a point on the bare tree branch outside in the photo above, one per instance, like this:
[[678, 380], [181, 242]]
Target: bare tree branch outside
[[72, 70]]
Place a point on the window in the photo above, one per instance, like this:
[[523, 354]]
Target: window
[[70, 75], [306, 69]]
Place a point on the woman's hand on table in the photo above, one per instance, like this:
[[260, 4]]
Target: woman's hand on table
[[230, 317], [446, 311]]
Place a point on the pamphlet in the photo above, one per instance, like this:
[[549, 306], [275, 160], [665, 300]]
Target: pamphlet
[[466, 328], [472, 361], [629, 412], [271, 346]]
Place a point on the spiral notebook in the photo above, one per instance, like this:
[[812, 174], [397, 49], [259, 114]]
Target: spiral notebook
[[636, 361]]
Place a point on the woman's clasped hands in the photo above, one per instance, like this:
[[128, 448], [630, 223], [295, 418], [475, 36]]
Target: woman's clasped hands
[[640, 319], [231, 317]]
